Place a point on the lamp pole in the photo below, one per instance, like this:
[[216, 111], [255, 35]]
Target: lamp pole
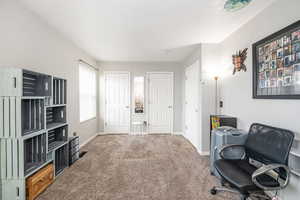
[[216, 94]]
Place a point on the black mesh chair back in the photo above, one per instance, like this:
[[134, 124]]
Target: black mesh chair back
[[268, 145]]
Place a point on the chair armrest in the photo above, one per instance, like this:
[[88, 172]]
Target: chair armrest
[[230, 146], [267, 168]]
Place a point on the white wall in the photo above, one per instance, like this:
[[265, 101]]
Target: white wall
[[28, 42], [209, 57], [140, 69], [203, 54], [236, 91]]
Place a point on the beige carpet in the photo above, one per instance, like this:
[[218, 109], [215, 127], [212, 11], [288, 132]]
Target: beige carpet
[[121, 167]]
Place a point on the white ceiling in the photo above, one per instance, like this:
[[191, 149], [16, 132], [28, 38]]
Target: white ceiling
[[142, 30]]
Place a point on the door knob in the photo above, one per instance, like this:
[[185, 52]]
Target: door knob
[[170, 106], [127, 106]]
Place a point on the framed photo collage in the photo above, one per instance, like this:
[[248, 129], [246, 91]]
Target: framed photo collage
[[276, 62]]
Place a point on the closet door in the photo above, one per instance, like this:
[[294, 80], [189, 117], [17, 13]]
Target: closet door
[[160, 102], [117, 102], [192, 82]]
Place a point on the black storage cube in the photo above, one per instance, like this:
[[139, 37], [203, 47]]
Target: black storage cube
[[73, 149], [34, 152], [56, 116], [57, 137], [32, 115], [59, 91], [36, 84], [61, 159], [48, 101]]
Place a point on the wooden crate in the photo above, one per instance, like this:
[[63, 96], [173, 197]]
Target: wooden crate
[[39, 181]]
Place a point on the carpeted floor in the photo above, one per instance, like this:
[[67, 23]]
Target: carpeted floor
[[122, 167]]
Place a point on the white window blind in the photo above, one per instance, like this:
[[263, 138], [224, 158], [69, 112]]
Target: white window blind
[[87, 92]]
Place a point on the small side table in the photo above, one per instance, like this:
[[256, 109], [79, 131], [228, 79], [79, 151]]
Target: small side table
[[137, 128]]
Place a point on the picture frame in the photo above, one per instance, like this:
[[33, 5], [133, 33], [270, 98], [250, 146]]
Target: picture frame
[[276, 65]]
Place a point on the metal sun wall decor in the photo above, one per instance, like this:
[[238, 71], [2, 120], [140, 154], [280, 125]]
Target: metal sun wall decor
[[235, 5], [238, 61]]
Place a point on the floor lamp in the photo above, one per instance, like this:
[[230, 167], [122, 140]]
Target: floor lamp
[[216, 94]]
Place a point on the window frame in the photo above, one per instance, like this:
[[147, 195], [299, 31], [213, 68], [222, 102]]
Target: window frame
[[93, 96]]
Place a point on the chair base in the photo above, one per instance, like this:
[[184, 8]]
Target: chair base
[[252, 196], [217, 189]]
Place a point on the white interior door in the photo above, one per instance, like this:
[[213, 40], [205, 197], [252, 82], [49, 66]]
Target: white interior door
[[160, 102], [117, 102], [192, 121]]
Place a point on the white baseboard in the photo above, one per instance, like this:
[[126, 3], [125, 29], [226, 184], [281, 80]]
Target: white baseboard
[[204, 153], [88, 140], [144, 133], [105, 133], [177, 133], [138, 133]]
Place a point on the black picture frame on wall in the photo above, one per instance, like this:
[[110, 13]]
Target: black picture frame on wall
[[276, 65]]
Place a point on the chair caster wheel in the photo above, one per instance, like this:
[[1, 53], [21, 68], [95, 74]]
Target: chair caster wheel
[[223, 183], [244, 198], [213, 191]]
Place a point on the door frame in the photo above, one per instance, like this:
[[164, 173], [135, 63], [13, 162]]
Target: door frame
[[198, 125], [129, 100], [147, 98]]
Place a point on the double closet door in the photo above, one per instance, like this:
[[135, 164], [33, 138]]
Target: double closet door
[[159, 102]]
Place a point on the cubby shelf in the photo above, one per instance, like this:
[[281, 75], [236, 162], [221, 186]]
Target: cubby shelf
[[34, 129], [36, 84], [52, 126], [57, 137], [38, 168], [32, 97], [56, 145], [61, 159], [59, 94], [32, 115], [55, 116], [33, 134], [58, 105], [34, 153]]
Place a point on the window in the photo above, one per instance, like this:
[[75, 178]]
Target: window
[[139, 94], [87, 92]]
